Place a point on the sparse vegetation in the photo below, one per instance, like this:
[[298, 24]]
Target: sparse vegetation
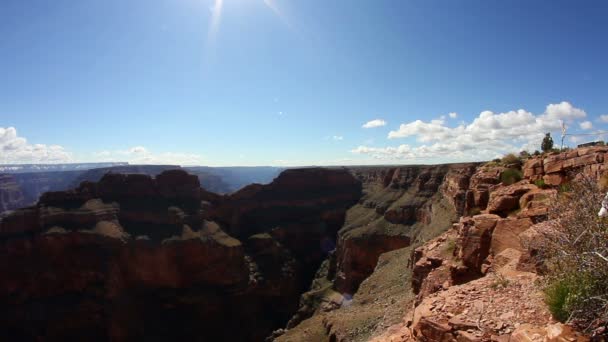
[[500, 282], [541, 184], [524, 155], [566, 187], [510, 176], [450, 247], [556, 296], [511, 159], [474, 211], [576, 257]]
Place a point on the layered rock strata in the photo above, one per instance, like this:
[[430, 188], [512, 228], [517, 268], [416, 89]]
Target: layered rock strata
[[136, 257]]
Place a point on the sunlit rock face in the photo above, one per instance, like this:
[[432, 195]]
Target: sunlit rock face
[[137, 257]]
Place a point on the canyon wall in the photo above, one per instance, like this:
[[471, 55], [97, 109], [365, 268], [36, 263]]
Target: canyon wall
[[471, 279], [136, 257], [386, 253], [34, 180]]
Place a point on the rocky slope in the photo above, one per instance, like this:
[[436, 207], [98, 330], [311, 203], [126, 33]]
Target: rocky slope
[[475, 280], [136, 257], [401, 206]]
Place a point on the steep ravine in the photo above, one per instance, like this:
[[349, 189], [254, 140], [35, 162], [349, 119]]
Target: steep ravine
[[401, 207]]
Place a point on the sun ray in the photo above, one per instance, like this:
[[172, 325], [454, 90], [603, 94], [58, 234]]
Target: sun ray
[[273, 6], [216, 18]]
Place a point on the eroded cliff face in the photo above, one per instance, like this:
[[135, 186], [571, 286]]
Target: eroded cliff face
[[136, 257], [479, 280], [401, 206], [474, 281]]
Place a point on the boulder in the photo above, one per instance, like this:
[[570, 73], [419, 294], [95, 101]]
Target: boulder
[[474, 240], [506, 234], [506, 199]]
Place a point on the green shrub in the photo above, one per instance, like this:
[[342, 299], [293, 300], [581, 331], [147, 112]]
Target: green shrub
[[540, 183], [564, 188], [556, 296], [510, 176]]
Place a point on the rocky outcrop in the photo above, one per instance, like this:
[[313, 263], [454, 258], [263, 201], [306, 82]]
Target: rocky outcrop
[[505, 200], [137, 257], [399, 204], [556, 168], [457, 188], [482, 183]]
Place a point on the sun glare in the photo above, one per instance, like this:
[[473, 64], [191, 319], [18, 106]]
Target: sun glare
[[216, 17]]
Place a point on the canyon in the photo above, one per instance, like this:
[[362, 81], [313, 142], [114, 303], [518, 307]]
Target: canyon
[[383, 253], [22, 185]]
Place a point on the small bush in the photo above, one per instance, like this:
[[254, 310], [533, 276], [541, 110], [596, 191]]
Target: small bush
[[563, 188], [556, 296], [510, 159], [500, 282], [474, 211], [450, 247], [510, 176], [541, 184]]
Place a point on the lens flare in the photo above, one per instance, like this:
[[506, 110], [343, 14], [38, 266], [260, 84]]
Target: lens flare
[[216, 18]]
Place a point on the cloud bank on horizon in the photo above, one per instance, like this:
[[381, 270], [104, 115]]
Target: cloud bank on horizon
[[487, 136], [16, 150]]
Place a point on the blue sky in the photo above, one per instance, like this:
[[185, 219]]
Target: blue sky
[[292, 82]]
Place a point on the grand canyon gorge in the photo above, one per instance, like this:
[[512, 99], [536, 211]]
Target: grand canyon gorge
[[303, 171], [317, 254]]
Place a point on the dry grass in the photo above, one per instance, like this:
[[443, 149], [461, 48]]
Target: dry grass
[[576, 254]]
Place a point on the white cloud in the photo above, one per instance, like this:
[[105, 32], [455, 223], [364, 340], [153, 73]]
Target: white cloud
[[138, 150], [338, 137], [604, 118], [489, 135], [16, 150], [374, 123], [586, 125], [141, 155], [453, 115]]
